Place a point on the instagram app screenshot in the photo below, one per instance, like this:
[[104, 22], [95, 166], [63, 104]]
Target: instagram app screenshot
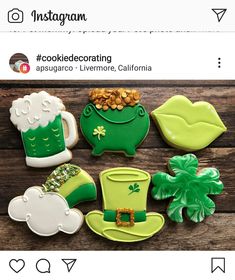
[[117, 139]]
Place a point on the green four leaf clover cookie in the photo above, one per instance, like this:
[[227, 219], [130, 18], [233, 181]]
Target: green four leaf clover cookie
[[188, 189]]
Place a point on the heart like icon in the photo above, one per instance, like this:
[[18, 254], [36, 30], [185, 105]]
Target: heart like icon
[[17, 265]]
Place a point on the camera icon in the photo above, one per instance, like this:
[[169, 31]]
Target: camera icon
[[15, 16]]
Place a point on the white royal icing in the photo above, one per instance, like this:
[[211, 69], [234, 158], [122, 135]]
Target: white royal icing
[[57, 159], [46, 213], [35, 109]]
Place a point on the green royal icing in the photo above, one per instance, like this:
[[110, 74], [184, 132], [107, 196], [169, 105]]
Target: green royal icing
[[186, 125], [187, 188], [111, 215], [115, 183], [60, 176], [44, 141], [114, 130], [73, 183], [86, 192]]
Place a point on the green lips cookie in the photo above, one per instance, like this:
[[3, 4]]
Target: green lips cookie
[[186, 125]]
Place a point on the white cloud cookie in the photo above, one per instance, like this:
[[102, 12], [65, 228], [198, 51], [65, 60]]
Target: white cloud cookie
[[45, 213]]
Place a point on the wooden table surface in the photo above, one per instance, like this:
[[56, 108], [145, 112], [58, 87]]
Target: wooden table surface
[[214, 233]]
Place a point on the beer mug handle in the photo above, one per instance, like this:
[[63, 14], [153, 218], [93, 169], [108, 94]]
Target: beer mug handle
[[72, 138]]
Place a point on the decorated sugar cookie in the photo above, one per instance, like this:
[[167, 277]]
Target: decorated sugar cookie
[[42, 119], [188, 189], [46, 213], [188, 126], [124, 217], [114, 121], [46, 209], [73, 183]]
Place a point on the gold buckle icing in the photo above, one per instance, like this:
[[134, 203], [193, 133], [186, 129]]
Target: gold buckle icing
[[121, 211]]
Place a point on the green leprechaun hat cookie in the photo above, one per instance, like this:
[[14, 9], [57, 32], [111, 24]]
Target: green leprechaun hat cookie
[[124, 217], [73, 183]]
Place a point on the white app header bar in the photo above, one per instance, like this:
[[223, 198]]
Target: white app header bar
[[122, 15]]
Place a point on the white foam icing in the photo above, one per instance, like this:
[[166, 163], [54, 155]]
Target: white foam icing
[[36, 109], [45, 213]]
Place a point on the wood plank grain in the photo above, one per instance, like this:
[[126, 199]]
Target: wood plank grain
[[214, 233], [15, 177], [75, 99]]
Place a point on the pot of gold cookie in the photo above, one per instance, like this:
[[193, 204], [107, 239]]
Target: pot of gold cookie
[[114, 121]]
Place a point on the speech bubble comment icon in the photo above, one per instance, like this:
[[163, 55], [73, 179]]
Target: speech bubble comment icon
[[43, 266]]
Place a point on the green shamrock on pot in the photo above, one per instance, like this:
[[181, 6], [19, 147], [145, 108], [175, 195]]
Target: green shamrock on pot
[[188, 189], [99, 131]]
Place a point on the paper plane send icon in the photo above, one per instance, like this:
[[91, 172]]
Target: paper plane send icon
[[220, 13], [69, 263]]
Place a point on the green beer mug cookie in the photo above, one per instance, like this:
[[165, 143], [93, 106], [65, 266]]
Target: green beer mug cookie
[[42, 119]]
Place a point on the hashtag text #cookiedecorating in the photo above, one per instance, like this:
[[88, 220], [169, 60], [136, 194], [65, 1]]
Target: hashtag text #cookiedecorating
[[74, 58], [61, 17]]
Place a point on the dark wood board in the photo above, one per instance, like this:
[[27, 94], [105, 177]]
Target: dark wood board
[[215, 233]]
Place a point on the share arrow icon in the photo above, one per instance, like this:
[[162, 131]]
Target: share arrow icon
[[69, 263], [220, 13]]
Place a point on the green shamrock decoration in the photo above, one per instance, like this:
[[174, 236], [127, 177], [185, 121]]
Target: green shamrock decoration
[[134, 188], [188, 189]]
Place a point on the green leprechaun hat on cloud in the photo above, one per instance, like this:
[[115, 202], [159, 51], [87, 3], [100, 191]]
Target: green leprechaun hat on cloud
[[124, 198], [73, 183]]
